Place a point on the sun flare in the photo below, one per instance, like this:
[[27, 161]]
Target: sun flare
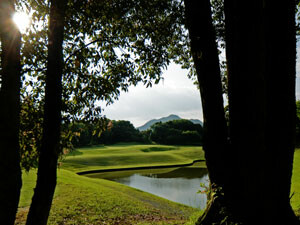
[[22, 20]]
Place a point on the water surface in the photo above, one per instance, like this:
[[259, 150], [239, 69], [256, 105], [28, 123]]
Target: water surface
[[177, 184]]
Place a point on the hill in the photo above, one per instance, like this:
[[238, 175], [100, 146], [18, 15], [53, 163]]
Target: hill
[[196, 121], [147, 125]]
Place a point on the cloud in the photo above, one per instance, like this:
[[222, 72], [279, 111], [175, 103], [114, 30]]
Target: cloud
[[298, 60], [175, 95]]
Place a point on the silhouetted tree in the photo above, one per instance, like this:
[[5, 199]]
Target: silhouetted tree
[[251, 173], [10, 171], [50, 146]]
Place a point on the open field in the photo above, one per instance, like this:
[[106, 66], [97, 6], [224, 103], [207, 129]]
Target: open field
[[127, 156]]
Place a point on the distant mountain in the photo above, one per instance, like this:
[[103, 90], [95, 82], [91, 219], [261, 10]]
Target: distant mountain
[[196, 121], [147, 125]]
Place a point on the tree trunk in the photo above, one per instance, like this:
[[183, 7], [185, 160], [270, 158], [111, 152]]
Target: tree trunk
[[261, 76], [46, 177], [255, 170], [10, 171], [205, 56]]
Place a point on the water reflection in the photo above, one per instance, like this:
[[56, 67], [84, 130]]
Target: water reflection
[[179, 184]]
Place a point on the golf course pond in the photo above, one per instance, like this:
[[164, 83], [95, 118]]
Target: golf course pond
[[180, 184]]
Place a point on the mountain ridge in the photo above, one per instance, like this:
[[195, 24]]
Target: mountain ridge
[[148, 124]]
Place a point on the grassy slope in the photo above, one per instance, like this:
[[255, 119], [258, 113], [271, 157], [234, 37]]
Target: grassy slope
[[83, 200], [121, 156], [295, 200]]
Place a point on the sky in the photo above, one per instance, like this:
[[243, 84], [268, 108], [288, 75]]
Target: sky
[[176, 95]]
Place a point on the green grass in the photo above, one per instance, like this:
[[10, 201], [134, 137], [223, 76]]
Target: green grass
[[126, 156], [295, 190], [83, 200]]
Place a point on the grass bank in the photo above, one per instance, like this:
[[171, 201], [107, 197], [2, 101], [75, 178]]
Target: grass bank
[[83, 200], [295, 190]]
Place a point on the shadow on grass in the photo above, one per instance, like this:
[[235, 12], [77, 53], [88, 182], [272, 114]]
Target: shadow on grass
[[158, 149]]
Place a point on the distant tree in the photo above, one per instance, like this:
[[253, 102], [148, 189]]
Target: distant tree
[[146, 136], [10, 83], [120, 131], [179, 132]]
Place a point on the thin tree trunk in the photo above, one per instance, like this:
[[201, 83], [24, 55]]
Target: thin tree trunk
[[47, 174], [205, 55], [10, 171]]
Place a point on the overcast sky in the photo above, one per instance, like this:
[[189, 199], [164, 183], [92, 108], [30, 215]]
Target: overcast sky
[[176, 95]]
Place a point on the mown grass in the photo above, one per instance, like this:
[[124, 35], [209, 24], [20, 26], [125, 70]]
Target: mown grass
[[126, 156], [295, 190], [83, 200]]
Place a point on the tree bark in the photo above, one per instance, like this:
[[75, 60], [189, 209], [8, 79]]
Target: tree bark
[[255, 168], [261, 76], [10, 171], [47, 174], [205, 55]]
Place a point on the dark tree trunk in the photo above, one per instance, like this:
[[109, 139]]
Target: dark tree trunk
[[255, 169], [10, 171], [205, 55], [46, 177], [261, 69]]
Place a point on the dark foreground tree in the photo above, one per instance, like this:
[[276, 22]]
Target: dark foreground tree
[[205, 56], [252, 182], [10, 171], [50, 147]]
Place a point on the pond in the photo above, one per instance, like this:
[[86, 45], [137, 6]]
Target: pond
[[177, 184]]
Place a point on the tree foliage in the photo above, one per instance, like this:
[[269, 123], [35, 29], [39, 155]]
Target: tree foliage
[[108, 46], [177, 132]]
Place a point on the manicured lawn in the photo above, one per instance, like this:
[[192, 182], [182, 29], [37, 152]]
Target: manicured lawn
[[295, 200], [83, 200], [124, 156]]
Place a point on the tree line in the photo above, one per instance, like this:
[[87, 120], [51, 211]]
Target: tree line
[[176, 132]]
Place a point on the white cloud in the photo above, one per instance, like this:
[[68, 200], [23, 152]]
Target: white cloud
[[175, 95], [298, 60]]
